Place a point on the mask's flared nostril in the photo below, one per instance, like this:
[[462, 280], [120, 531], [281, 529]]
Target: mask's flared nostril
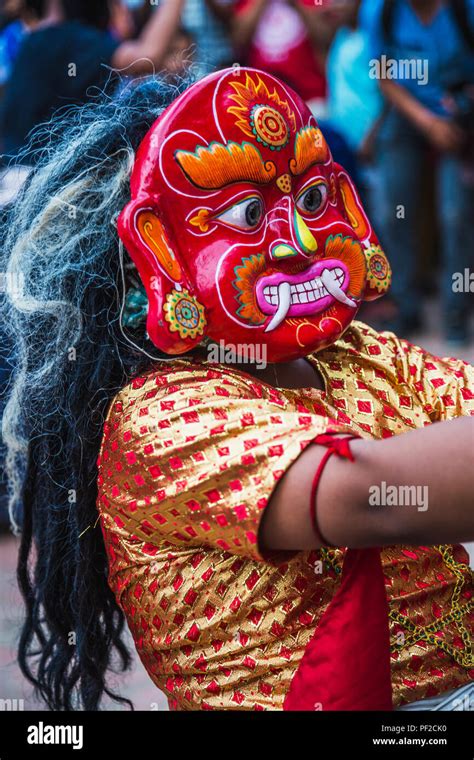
[[283, 251]]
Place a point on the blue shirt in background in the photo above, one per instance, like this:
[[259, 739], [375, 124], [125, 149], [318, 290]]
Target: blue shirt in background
[[354, 99], [43, 81], [10, 40], [440, 43]]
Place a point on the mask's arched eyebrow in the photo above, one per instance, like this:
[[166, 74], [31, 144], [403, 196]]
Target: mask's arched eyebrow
[[310, 148], [218, 165]]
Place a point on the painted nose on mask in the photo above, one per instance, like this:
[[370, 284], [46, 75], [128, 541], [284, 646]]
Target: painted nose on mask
[[302, 235]]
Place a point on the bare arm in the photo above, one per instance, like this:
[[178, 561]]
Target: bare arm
[[438, 458], [145, 54], [443, 133]]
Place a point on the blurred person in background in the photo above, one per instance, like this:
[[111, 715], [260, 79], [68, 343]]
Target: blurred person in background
[[431, 112], [355, 109], [351, 92], [58, 65], [208, 23], [286, 38], [130, 17], [346, 68], [123, 22], [22, 18], [9, 11]]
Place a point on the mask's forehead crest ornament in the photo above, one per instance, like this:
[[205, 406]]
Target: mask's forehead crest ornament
[[261, 113]]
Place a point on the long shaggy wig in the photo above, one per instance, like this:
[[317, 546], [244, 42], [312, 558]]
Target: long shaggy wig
[[60, 256]]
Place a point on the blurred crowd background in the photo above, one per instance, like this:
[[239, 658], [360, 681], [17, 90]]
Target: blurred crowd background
[[407, 141], [405, 134]]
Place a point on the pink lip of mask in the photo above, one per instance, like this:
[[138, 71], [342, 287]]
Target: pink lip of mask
[[308, 292]]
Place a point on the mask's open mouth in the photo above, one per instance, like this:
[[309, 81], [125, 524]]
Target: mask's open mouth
[[306, 293]]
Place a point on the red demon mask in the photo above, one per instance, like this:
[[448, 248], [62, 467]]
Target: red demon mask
[[242, 227]]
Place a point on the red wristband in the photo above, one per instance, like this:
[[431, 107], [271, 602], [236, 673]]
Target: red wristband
[[339, 446]]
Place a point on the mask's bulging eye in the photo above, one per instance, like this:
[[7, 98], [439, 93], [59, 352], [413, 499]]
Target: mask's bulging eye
[[246, 215], [313, 199]]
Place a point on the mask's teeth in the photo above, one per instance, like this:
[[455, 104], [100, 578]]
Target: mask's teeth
[[284, 303], [332, 286]]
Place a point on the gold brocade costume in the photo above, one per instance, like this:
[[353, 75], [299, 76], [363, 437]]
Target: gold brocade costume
[[190, 456]]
